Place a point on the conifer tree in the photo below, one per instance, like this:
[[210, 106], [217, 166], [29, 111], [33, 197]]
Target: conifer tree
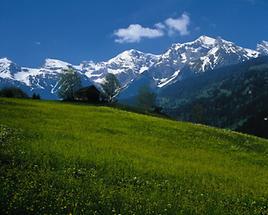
[[69, 83]]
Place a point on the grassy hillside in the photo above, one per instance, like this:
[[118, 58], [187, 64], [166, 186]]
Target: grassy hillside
[[62, 158]]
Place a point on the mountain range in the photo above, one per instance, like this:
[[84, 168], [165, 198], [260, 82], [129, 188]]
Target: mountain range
[[132, 67]]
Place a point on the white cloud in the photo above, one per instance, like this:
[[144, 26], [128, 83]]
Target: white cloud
[[160, 26], [135, 32], [180, 25]]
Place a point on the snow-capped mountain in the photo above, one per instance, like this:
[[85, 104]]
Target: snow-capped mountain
[[263, 48], [8, 68], [126, 66], [44, 80], [201, 55]]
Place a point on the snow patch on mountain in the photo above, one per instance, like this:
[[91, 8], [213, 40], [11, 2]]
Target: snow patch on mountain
[[166, 81], [200, 55], [203, 54], [25, 75], [263, 48], [126, 66], [7, 68], [207, 40]]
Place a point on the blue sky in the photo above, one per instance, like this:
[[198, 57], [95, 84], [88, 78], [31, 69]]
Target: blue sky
[[77, 30]]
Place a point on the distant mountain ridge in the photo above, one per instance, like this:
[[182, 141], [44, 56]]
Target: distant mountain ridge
[[201, 55]]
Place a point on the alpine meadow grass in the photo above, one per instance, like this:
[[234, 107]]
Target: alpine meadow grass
[[58, 158]]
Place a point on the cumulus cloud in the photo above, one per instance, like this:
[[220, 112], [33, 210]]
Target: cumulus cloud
[[135, 32], [160, 26], [180, 25]]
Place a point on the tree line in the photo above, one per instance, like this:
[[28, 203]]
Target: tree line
[[71, 89]]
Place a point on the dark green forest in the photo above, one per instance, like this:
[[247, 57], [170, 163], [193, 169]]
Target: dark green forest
[[233, 97]]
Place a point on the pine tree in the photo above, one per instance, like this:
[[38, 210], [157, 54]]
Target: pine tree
[[34, 96], [111, 87], [69, 83]]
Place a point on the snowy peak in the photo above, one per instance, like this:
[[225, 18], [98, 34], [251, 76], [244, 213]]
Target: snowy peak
[[133, 59], [126, 66], [55, 64], [263, 48], [225, 53], [4, 62], [126, 57], [207, 40], [8, 68], [202, 41], [200, 55], [132, 53]]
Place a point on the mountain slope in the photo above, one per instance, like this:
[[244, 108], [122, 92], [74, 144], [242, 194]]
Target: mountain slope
[[62, 159], [42, 80], [201, 55], [126, 66], [232, 97], [189, 59], [263, 48]]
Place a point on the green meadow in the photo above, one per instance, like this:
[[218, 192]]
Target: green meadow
[[58, 158]]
